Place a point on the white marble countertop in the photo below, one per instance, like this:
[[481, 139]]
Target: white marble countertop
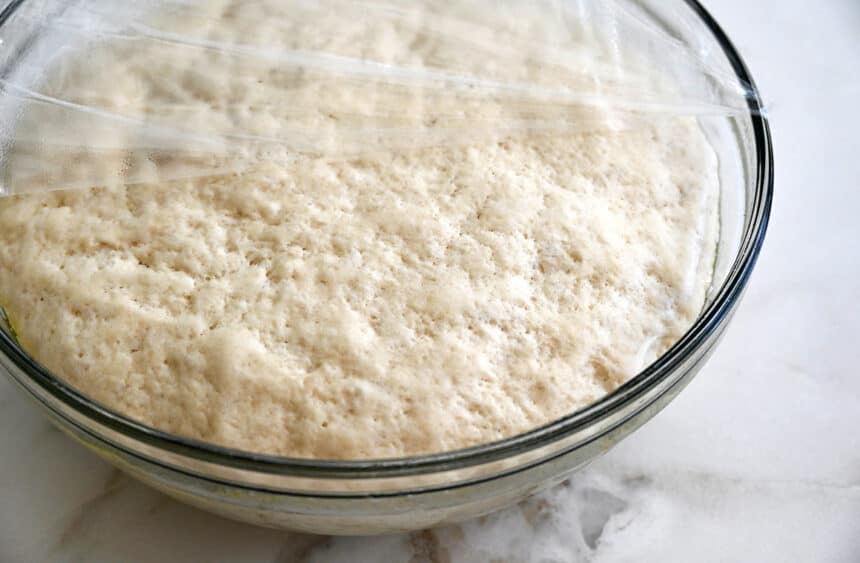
[[757, 460]]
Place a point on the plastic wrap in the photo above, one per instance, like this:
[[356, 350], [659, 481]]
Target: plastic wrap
[[110, 93]]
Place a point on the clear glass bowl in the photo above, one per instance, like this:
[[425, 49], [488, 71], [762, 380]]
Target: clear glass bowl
[[359, 497]]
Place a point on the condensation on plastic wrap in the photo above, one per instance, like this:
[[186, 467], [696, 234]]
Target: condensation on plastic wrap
[[109, 93]]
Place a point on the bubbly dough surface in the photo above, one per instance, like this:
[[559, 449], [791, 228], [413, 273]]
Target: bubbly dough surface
[[396, 303]]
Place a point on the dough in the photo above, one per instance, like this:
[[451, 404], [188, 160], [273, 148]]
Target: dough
[[399, 302]]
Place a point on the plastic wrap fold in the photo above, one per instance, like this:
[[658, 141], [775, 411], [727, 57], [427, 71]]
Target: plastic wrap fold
[[108, 93]]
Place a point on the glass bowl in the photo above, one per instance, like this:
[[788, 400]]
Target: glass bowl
[[387, 495]]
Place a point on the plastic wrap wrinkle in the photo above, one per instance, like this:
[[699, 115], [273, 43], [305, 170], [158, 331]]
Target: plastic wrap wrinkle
[[154, 91]]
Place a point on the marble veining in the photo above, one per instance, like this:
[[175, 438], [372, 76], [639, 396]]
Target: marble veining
[[757, 460]]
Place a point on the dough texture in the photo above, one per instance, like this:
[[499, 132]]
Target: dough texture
[[392, 303]]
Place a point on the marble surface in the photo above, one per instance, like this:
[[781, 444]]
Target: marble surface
[[758, 459]]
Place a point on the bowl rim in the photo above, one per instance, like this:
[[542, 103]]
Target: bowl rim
[[696, 337]]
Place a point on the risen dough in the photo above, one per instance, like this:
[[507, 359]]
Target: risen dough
[[396, 303]]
